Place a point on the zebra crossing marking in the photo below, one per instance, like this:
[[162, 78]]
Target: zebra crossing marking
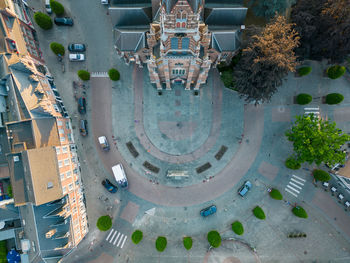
[[295, 185], [110, 233], [115, 241], [301, 179], [99, 74], [116, 238], [123, 242], [286, 189]]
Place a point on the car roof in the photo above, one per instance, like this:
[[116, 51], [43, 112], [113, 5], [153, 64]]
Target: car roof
[[243, 191]]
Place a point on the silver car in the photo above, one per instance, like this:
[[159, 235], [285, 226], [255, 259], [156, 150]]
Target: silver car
[[76, 57]]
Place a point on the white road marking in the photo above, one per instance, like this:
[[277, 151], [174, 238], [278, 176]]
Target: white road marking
[[123, 241], [110, 241], [293, 189], [299, 178], [297, 186], [120, 240], [110, 233], [290, 192], [296, 181], [115, 241]]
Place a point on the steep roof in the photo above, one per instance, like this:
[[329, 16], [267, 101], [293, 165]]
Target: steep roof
[[130, 39], [225, 39], [131, 16], [169, 4], [225, 16]]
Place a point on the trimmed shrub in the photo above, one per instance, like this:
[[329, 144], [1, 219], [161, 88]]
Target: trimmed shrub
[[259, 213], [214, 238], [335, 72], [57, 48], [43, 20], [291, 163], [114, 74], [83, 74], [303, 71], [9, 191], [137, 236], [334, 98], [57, 7], [304, 99], [321, 175], [104, 223], [299, 212], [161, 243], [237, 227], [187, 242], [275, 194]]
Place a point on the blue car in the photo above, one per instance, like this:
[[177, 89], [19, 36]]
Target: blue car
[[109, 186], [245, 188], [208, 211]]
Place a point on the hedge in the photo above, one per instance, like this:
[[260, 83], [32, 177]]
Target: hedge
[[321, 175], [57, 48], [214, 238], [291, 163], [57, 7], [275, 194], [237, 227], [161, 243], [9, 191], [336, 71], [104, 223], [299, 212], [259, 213], [43, 20], [334, 98], [83, 74], [137, 236], [304, 99], [303, 71], [114, 74], [187, 241]]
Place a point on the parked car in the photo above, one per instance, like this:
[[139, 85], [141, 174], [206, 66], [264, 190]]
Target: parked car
[[63, 21], [76, 47], [83, 127], [347, 204], [245, 188], [333, 189], [208, 211], [76, 57], [104, 2], [103, 143], [325, 184], [340, 197], [82, 105], [48, 7], [109, 186]]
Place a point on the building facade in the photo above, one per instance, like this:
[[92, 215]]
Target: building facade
[[178, 40]]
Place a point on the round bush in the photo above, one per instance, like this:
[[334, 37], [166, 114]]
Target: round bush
[[137, 236], [57, 48], [334, 98], [275, 194], [303, 71], [161, 243], [104, 223], [291, 163], [83, 74], [187, 242], [335, 72], [57, 7], [259, 213], [237, 227], [43, 20], [214, 238], [299, 212], [114, 74], [304, 99], [321, 175]]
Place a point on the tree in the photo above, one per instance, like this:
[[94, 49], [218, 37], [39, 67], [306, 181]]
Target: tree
[[268, 8], [321, 175], [137, 236], [238, 228], [315, 140], [299, 212], [227, 78], [187, 241], [266, 61], [57, 48], [43, 20], [114, 74], [104, 223], [161, 243], [57, 7], [83, 74], [214, 238]]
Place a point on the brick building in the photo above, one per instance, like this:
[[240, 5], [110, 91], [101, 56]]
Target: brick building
[[178, 40]]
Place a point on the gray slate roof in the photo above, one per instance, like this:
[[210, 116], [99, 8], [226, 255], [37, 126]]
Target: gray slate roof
[[171, 3], [131, 16], [225, 40], [130, 39], [225, 16]]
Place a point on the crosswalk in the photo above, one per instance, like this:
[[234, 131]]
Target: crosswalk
[[295, 185], [315, 111], [116, 238], [99, 74]]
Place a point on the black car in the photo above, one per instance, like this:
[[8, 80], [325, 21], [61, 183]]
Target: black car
[[83, 128], [82, 105], [63, 21], [109, 186], [76, 47]]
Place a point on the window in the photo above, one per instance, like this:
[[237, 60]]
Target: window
[[64, 149], [60, 164], [49, 185], [62, 177], [178, 24], [62, 139], [58, 150], [69, 174], [59, 123], [66, 162], [183, 24], [60, 131], [67, 125], [69, 137], [70, 187], [64, 190]]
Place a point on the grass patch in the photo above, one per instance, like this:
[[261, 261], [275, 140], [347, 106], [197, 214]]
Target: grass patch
[[259, 213], [237, 227], [299, 212], [221, 152], [161, 243], [275, 194], [104, 223], [214, 238], [203, 168], [151, 167], [137, 236], [187, 241]]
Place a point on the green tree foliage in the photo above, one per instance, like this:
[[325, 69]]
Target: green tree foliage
[[316, 140], [303, 71], [321, 175], [292, 163], [57, 7], [114, 74], [161, 243], [43, 20], [237, 227], [187, 241], [214, 238], [259, 213], [104, 223], [304, 99], [137, 236], [268, 8], [275, 194], [3, 251], [299, 212], [336, 71], [57, 48], [83, 74], [227, 78], [334, 98]]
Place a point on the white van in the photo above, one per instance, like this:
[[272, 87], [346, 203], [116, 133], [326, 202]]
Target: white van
[[103, 143], [120, 176]]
